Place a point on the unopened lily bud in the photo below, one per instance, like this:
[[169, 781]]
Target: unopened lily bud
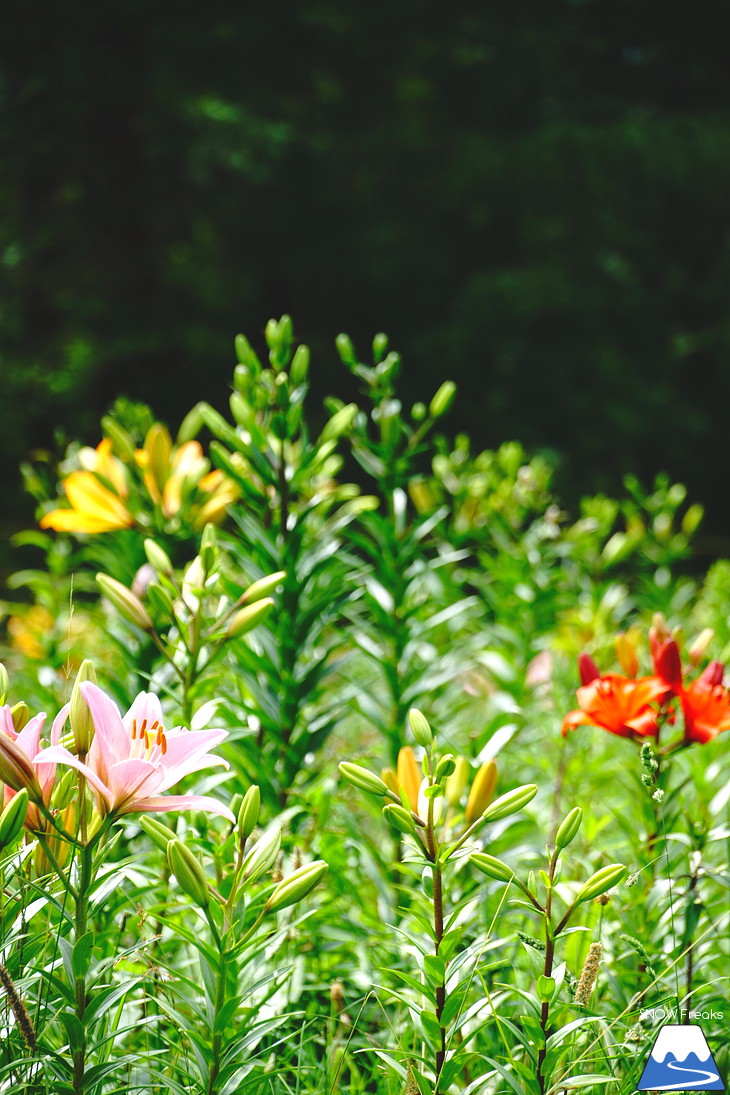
[[420, 728], [296, 887], [493, 868], [482, 790], [568, 828], [345, 349], [191, 425], [208, 548], [339, 423], [713, 674], [194, 579], [700, 646], [188, 870], [249, 617], [157, 557], [511, 802], [263, 855], [16, 770], [363, 779], [390, 780], [20, 715], [159, 833], [443, 399], [445, 767], [248, 814], [587, 669], [126, 603], [122, 441], [626, 654], [160, 601], [399, 818], [299, 365], [158, 447], [408, 775], [4, 684], [262, 587], [79, 714], [601, 881], [12, 819], [457, 781], [65, 789]]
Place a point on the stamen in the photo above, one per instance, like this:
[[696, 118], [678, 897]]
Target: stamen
[[134, 729]]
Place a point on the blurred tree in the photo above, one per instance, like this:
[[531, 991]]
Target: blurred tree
[[531, 199]]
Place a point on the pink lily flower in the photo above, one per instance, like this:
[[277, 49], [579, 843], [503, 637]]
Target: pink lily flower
[[18, 753], [132, 760]]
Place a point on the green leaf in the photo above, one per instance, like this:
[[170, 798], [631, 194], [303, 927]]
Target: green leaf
[[432, 1028], [81, 955], [545, 988], [435, 969]]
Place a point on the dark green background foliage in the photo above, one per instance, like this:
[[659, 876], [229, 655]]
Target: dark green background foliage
[[529, 199]]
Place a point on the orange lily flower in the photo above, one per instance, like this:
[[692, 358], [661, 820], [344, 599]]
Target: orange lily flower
[[619, 705]]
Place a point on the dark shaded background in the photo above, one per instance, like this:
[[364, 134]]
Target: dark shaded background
[[530, 198]]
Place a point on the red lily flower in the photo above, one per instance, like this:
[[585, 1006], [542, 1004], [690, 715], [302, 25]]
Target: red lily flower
[[617, 704], [706, 705]]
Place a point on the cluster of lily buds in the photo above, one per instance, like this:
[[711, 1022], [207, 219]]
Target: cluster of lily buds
[[638, 707], [191, 603], [417, 794], [163, 485], [251, 863]]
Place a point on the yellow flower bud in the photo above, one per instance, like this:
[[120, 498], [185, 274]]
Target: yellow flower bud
[[249, 617], [409, 777], [481, 791], [626, 654], [457, 781]]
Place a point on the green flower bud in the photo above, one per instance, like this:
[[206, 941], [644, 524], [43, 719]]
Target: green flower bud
[[493, 868], [418, 412], [12, 819], [380, 345], [160, 601], [191, 425], [79, 714], [208, 548], [188, 870], [159, 834], [345, 349], [4, 684], [510, 803], [443, 399], [568, 828], [445, 767], [420, 728], [122, 441], [262, 587], [248, 814], [64, 790], [362, 779], [20, 715], [297, 885], [399, 818], [263, 855], [339, 423], [126, 603], [601, 881], [299, 365], [249, 617], [157, 557]]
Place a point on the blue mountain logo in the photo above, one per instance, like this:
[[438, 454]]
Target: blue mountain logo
[[681, 1060]]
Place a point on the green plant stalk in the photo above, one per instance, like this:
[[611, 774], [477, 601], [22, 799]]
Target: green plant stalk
[[80, 927], [548, 968], [438, 928]]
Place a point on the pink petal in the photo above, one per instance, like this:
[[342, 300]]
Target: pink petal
[[6, 722], [146, 706], [187, 751], [57, 754], [29, 738], [111, 741], [163, 803], [58, 724], [128, 777]]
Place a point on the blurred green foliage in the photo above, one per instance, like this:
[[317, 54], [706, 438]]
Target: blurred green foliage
[[530, 201]]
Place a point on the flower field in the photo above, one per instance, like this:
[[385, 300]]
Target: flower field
[[339, 759]]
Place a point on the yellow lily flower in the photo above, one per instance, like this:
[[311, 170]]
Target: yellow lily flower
[[94, 508]]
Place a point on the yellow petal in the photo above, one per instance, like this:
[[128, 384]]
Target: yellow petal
[[409, 775], [93, 507]]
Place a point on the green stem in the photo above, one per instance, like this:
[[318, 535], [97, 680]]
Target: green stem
[[547, 971], [438, 930], [80, 927], [220, 999]]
